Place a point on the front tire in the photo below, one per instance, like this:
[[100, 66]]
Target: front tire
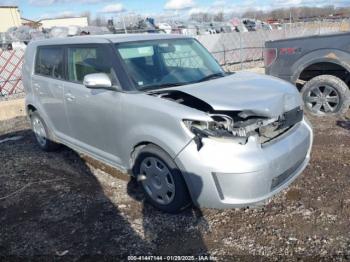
[[326, 95], [161, 180], [41, 133]]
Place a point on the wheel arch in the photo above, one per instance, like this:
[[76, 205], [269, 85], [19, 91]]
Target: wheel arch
[[134, 153], [133, 157], [322, 60], [136, 149], [30, 108]]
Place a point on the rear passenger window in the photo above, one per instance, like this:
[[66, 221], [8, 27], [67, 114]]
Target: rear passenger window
[[49, 62], [87, 60]]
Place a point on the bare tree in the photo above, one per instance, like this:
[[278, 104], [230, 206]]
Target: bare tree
[[88, 15], [99, 21], [219, 17], [298, 13], [201, 17]]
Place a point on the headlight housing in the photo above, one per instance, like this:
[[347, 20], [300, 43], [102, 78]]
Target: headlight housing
[[196, 124], [220, 126], [202, 128]]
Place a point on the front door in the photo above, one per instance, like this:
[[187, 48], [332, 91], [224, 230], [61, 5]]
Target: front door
[[93, 115]]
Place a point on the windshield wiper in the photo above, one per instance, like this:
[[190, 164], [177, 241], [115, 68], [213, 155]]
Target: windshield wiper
[[211, 76], [159, 86], [151, 87]]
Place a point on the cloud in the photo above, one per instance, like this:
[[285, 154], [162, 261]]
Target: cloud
[[113, 8], [8, 2], [218, 7], [198, 10], [228, 8], [290, 3], [58, 15], [52, 2], [223, 6], [219, 3], [298, 3], [41, 2], [179, 4]]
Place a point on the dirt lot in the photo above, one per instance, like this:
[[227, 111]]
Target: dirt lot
[[58, 204]]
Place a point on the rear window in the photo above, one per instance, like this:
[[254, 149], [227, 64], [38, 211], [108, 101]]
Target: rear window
[[49, 62]]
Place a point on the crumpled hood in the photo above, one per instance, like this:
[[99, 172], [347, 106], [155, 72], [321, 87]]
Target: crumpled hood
[[263, 95]]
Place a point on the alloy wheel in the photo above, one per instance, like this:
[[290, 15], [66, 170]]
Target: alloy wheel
[[322, 99]]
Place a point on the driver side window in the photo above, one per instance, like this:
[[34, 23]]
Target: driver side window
[[182, 56], [87, 60]]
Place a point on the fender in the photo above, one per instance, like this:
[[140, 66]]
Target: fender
[[164, 135], [334, 56], [32, 100]]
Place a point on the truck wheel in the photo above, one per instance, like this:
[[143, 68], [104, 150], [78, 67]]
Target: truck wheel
[[41, 133], [161, 180], [326, 95]]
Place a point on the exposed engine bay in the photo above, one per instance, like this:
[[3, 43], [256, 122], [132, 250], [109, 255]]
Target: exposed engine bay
[[232, 124]]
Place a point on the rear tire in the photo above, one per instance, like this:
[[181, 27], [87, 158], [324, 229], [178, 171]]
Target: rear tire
[[326, 95], [41, 133], [161, 180]]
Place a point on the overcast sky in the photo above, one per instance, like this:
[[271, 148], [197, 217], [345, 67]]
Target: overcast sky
[[36, 9]]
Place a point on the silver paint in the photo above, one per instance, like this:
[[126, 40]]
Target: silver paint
[[108, 125]]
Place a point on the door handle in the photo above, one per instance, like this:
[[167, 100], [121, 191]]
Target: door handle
[[70, 97], [36, 86]]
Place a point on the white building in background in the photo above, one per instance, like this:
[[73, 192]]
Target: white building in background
[[64, 22], [9, 17]]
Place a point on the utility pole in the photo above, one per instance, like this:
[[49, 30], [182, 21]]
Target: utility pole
[[290, 20], [124, 25], [290, 16]]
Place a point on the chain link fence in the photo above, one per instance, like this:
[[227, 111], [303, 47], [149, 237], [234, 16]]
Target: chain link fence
[[234, 51], [237, 51], [11, 62]]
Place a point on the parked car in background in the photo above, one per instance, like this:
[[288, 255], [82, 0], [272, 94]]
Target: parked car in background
[[318, 65], [166, 27], [250, 24], [162, 109]]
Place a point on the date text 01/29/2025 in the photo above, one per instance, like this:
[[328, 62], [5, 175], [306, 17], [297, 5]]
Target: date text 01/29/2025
[[172, 258]]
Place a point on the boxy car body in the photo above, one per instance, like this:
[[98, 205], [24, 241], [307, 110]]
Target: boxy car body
[[235, 139]]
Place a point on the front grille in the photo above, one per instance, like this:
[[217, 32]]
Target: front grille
[[279, 180]]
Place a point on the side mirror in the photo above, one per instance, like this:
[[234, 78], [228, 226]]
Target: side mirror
[[98, 81]]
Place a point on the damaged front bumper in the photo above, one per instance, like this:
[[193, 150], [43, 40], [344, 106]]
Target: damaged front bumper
[[224, 174]]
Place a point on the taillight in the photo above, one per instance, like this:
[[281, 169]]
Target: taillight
[[288, 51], [270, 55]]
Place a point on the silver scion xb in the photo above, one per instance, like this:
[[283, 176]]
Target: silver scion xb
[[160, 108]]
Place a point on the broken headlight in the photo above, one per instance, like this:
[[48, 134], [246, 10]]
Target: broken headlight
[[224, 126], [220, 126], [199, 127]]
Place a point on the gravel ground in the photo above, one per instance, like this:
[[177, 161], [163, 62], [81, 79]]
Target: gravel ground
[[64, 205]]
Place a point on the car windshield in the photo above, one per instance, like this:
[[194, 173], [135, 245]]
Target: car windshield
[[163, 63]]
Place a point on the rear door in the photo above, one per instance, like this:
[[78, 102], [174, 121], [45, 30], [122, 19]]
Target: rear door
[[48, 82], [93, 115]]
